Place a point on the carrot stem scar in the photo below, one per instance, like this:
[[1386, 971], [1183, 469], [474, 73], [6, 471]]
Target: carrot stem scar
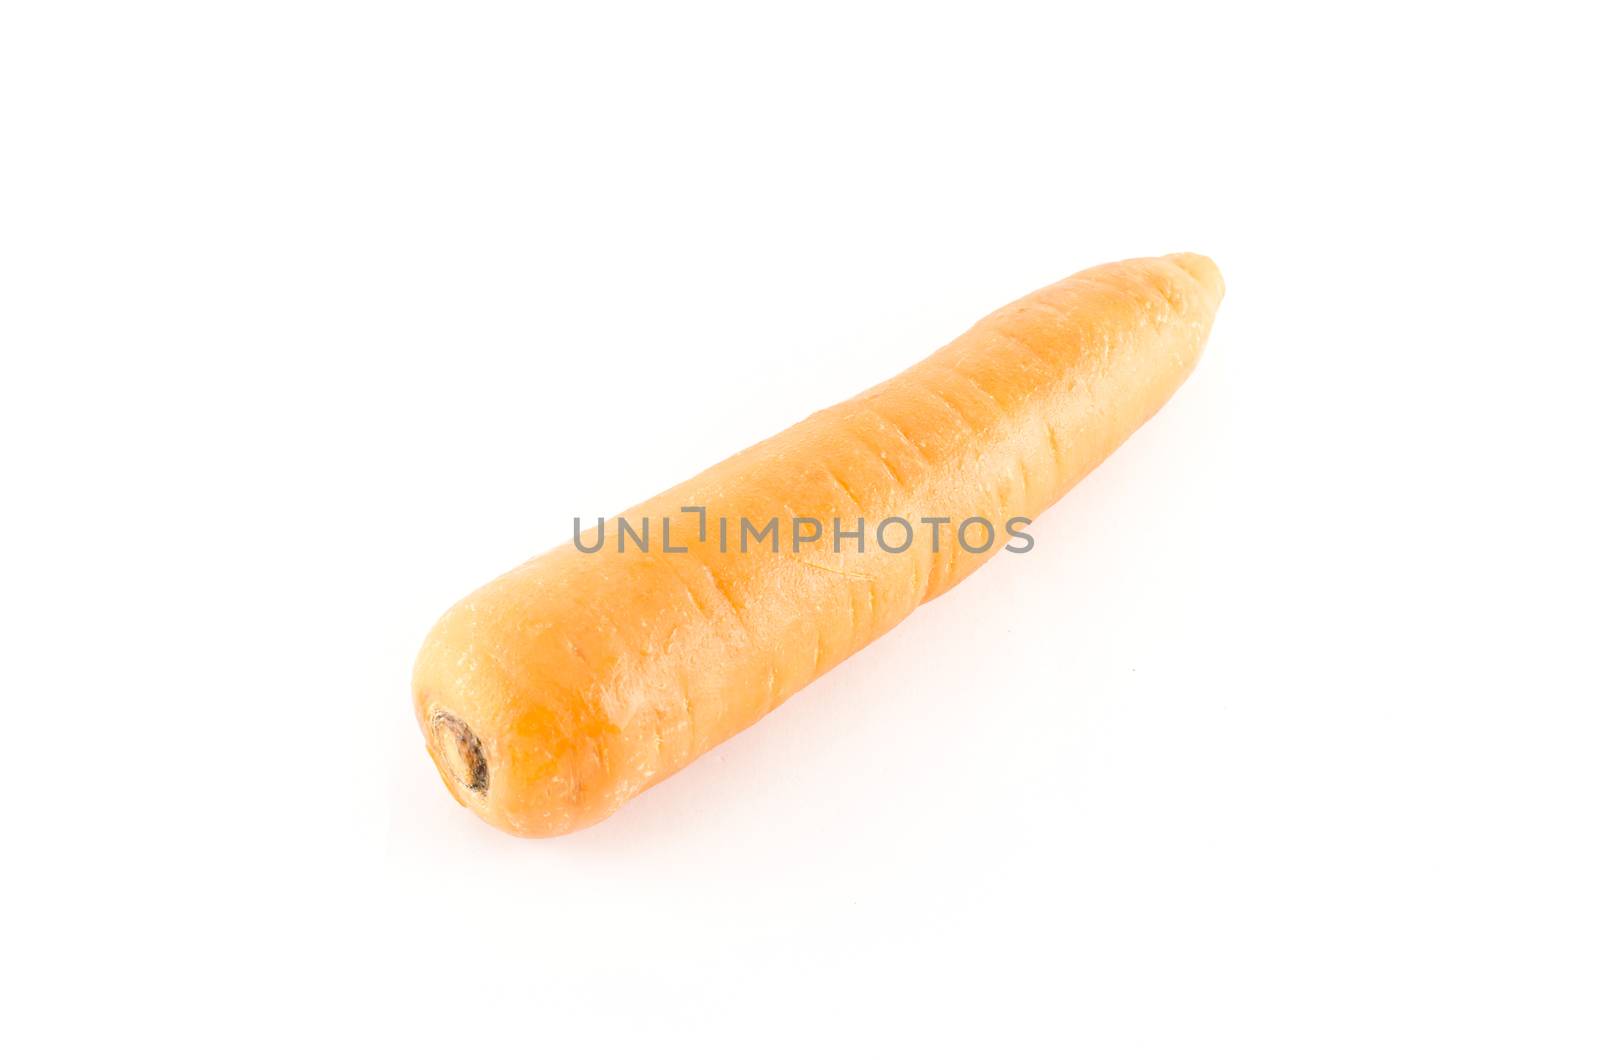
[[461, 752], [562, 689]]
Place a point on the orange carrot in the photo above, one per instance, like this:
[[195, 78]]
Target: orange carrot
[[562, 689]]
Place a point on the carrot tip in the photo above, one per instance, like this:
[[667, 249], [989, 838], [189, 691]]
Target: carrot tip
[[460, 752]]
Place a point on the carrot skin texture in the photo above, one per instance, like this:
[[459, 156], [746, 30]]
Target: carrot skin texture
[[582, 679]]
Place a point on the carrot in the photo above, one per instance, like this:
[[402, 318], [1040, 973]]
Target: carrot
[[560, 690]]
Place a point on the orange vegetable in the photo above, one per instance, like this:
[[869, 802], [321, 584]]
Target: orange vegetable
[[562, 689]]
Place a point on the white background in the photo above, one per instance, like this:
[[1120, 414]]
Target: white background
[[1281, 743]]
